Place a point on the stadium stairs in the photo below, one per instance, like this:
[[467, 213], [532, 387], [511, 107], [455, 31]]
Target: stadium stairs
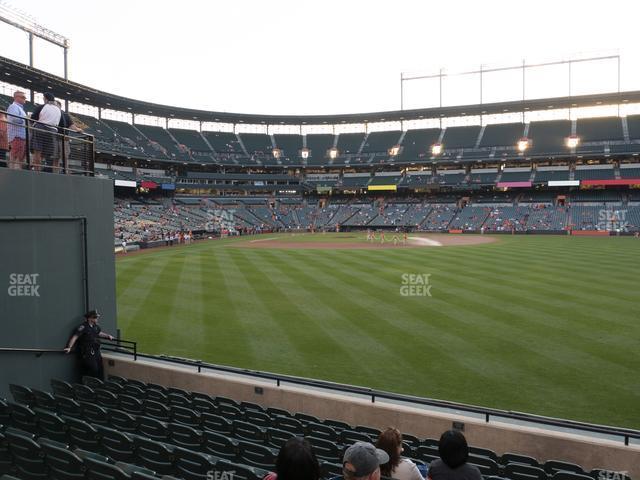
[[126, 429]]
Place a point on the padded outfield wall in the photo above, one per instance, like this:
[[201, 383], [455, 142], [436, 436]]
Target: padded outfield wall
[[56, 262]]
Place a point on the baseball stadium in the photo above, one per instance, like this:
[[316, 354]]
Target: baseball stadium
[[466, 268]]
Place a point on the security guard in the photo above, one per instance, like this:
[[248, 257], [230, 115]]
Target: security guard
[[88, 335]]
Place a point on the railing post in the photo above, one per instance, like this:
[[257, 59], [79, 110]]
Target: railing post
[[65, 162], [486, 417], [27, 131], [135, 351]]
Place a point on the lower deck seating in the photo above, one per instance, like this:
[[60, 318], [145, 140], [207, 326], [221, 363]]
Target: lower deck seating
[[127, 429]]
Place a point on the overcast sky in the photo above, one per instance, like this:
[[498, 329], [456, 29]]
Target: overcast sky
[[330, 56]]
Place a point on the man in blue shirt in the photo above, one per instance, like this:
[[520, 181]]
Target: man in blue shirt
[[16, 131]]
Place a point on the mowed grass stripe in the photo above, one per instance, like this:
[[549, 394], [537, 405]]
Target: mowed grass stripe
[[253, 311], [532, 323], [323, 329]]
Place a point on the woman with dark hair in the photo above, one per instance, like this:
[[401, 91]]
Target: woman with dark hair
[[296, 461], [397, 467], [452, 464]]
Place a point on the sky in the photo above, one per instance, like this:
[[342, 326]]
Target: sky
[[331, 56]]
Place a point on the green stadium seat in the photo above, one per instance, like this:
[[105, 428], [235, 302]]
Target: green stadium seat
[[107, 398], [426, 453], [122, 421], [134, 391], [337, 425], [517, 471], [289, 424], [156, 396], [249, 432], [130, 404], [44, 400], [373, 433], [6, 462], [484, 452], [117, 379], [517, 458], [92, 382], [226, 401], [178, 400], [430, 442], [185, 436], [230, 411], [94, 414], [220, 445], [256, 455], [23, 417], [347, 437], [330, 470], [152, 428], [411, 440], [272, 412], [185, 416], [320, 430], [486, 465], [130, 468], [83, 393], [62, 388], [68, 406], [145, 476], [50, 425], [154, 455], [216, 423], [157, 410], [192, 465], [325, 449], [28, 456], [5, 413], [249, 406], [204, 406], [113, 387], [8, 477], [304, 418], [553, 466], [63, 464], [22, 394], [276, 438], [158, 388], [101, 470], [179, 391], [82, 435], [115, 444], [257, 418]]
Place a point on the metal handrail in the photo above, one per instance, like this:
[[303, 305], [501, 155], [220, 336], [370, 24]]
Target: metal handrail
[[115, 345], [374, 394]]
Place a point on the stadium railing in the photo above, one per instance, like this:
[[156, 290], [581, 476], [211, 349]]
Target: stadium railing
[[488, 414], [61, 151]]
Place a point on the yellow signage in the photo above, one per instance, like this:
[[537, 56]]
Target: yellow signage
[[392, 188]]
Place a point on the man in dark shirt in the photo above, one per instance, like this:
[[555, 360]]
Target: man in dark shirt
[[88, 336]]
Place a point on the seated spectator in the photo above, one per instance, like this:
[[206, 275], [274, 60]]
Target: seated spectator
[[362, 461], [296, 461], [397, 467], [452, 464]]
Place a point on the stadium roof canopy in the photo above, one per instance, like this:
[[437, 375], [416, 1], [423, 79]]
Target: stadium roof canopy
[[20, 74]]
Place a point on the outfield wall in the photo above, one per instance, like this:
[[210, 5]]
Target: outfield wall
[[543, 444], [56, 262]]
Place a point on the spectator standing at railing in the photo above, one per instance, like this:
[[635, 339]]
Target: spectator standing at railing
[[4, 143], [63, 146], [87, 336], [45, 131], [16, 130]]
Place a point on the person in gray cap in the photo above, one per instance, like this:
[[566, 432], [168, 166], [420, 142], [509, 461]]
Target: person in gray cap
[[362, 461]]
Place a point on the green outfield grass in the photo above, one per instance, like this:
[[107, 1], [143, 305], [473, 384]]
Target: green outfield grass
[[542, 324]]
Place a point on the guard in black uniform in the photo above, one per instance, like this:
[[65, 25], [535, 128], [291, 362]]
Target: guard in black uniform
[[88, 336]]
